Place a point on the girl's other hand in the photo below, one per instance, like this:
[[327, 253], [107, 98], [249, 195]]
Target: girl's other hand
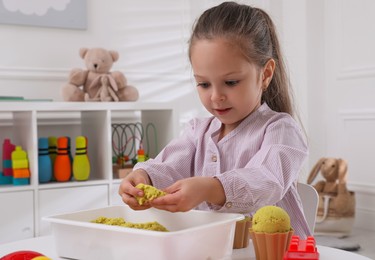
[[187, 194], [128, 191]]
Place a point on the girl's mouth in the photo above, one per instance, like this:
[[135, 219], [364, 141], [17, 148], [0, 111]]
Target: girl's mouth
[[222, 111]]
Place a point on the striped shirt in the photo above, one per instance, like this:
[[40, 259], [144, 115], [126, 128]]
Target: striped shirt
[[257, 163]]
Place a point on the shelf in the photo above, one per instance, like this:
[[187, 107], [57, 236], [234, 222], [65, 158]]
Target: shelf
[[25, 122], [83, 106]]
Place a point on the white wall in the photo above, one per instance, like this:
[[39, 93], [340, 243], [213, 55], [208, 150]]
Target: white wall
[[328, 47], [150, 37]]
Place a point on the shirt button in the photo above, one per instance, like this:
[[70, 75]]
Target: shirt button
[[214, 158], [228, 205]]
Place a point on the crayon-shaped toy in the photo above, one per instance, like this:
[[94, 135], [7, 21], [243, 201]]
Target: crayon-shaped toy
[[44, 161], [62, 166], [81, 163], [8, 148]]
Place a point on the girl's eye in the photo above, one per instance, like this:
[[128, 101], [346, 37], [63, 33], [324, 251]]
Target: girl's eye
[[231, 83], [203, 84]]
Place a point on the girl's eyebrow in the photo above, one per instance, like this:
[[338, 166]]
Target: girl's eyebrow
[[226, 74], [232, 72]]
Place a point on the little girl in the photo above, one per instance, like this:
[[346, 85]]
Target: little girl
[[249, 153]]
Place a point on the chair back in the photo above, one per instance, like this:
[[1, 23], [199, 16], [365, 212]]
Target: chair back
[[310, 199]]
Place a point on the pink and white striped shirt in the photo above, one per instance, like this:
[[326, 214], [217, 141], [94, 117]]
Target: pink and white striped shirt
[[257, 163]]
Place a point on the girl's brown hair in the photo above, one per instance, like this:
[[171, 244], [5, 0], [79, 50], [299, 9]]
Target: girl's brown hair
[[254, 32]]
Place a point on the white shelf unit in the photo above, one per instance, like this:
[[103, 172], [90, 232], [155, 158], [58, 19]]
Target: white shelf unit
[[24, 122]]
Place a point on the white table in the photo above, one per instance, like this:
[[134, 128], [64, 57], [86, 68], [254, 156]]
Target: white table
[[45, 245]]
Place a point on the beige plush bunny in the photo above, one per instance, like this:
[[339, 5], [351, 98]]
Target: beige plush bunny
[[107, 90], [334, 171]]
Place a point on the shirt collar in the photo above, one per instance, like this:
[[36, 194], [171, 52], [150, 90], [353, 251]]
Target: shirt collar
[[216, 124]]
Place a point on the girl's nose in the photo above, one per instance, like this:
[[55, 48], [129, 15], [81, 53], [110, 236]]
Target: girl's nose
[[217, 95]]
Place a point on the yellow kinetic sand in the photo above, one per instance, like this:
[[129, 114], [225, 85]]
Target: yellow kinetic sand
[[271, 219], [150, 193], [154, 226]]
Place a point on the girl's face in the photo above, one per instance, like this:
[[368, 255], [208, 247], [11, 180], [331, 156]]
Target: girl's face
[[228, 85]]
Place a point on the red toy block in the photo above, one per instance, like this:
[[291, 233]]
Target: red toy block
[[302, 249]]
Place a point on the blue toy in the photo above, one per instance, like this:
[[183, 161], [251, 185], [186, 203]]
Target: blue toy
[[5, 179], [44, 161]]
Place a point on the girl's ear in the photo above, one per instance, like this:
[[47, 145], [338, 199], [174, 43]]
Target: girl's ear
[[268, 70]]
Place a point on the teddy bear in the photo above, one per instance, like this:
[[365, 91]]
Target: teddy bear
[[97, 82]]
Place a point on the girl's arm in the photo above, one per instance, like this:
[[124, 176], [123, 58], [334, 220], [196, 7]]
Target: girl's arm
[[270, 173], [188, 193], [174, 162]]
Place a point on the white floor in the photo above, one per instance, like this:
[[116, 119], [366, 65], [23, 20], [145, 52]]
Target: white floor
[[364, 238]]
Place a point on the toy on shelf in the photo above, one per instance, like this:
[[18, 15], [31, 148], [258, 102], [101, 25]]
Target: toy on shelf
[[62, 167], [141, 155], [128, 141], [302, 249], [52, 148], [52, 151], [6, 176], [87, 84], [44, 161], [69, 151], [81, 162], [8, 148], [5, 180], [20, 165]]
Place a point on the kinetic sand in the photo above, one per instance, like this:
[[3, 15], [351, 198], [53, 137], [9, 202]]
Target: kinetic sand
[[150, 193], [154, 226]]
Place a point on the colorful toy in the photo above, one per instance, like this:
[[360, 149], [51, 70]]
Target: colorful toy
[[25, 255], [84, 85], [44, 161], [81, 163], [69, 151], [5, 179], [52, 148], [52, 151], [302, 249], [20, 165], [141, 155], [8, 148], [62, 166]]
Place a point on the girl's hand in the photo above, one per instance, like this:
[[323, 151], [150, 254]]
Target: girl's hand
[[186, 194], [128, 191]]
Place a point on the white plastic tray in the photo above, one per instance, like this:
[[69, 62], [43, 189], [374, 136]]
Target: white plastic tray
[[193, 235]]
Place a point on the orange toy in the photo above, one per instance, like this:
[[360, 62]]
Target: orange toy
[[63, 165]]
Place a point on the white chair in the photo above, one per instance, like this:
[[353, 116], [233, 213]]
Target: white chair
[[310, 199]]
